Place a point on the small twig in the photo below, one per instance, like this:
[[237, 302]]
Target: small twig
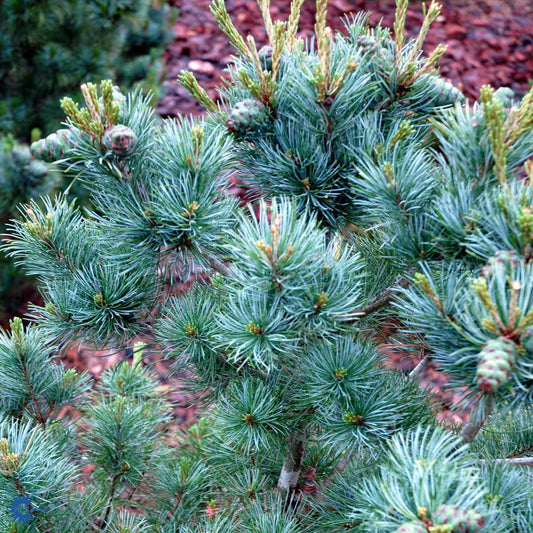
[[341, 466], [515, 461], [107, 510], [522, 451], [38, 413], [380, 301], [219, 267], [343, 463], [383, 300], [472, 427], [419, 367]]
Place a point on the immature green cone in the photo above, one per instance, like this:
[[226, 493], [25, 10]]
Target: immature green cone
[[526, 339], [505, 95], [37, 149], [67, 138], [49, 149], [120, 140], [37, 169], [495, 363], [265, 57], [461, 520], [21, 156], [444, 93], [412, 527], [248, 115], [505, 258], [382, 55]]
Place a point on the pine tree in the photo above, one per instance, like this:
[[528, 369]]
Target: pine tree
[[48, 48], [22, 179], [381, 193]]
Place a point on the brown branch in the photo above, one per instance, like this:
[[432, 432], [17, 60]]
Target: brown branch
[[343, 463], [107, 510], [340, 468], [520, 452], [219, 267], [419, 367], [380, 301], [33, 400], [288, 479], [472, 427], [515, 461]]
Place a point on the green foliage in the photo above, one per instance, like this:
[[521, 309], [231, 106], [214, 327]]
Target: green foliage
[[418, 474], [46, 50], [49, 48], [384, 195], [22, 179]]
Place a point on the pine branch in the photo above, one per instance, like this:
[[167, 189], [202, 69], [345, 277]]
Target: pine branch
[[419, 368], [476, 421], [517, 461], [292, 464], [339, 469], [381, 300], [511, 461], [105, 515], [522, 451], [219, 267]]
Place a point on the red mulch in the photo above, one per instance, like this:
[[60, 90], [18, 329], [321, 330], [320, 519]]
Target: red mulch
[[489, 41]]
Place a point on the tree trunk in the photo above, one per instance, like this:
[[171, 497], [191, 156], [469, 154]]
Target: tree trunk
[[292, 464]]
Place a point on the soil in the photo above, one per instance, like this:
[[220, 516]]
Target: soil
[[489, 41]]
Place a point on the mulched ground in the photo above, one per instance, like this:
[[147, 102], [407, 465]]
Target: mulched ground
[[489, 41]]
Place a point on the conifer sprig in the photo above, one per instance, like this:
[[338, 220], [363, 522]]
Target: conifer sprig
[[218, 8], [384, 196], [494, 118], [189, 81]]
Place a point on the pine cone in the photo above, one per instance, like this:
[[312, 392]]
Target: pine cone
[[412, 527], [49, 149], [526, 339], [444, 93], [54, 146], [495, 363], [265, 57], [382, 56], [505, 95], [67, 138], [461, 520], [505, 258], [248, 115], [120, 140], [21, 156]]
